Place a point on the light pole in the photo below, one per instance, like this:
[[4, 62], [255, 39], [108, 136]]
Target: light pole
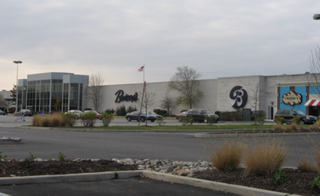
[[17, 62], [316, 17]]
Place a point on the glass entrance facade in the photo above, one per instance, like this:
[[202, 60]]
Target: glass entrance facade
[[54, 92]]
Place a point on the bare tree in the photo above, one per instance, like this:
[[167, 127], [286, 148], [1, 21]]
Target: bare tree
[[256, 98], [167, 102], [94, 90], [186, 83], [314, 76], [147, 101]]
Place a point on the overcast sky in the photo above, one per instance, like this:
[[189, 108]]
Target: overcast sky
[[218, 38]]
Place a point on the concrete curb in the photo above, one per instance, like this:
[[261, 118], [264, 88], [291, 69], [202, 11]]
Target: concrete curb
[[218, 186], [240, 135]]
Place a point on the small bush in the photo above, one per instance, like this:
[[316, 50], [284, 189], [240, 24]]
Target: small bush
[[110, 111], [161, 112], [106, 118], [69, 119], [228, 156], [296, 120], [260, 120], [280, 178], [265, 158], [211, 119], [61, 157], [185, 120], [160, 120], [121, 111], [2, 157], [306, 166], [131, 109], [315, 184], [88, 119], [279, 120]]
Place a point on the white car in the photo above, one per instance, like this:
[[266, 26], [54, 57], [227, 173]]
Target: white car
[[76, 112]]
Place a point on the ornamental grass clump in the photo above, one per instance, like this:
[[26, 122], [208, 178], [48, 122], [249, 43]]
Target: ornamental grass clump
[[317, 155], [307, 166], [55, 120], [228, 156], [265, 158]]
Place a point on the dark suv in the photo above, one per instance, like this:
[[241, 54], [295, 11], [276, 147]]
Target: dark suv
[[199, 115], [288, 114]]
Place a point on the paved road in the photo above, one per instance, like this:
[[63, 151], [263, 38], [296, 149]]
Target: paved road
[[47, 143]]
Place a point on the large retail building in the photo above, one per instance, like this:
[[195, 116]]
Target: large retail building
[[40, 93]]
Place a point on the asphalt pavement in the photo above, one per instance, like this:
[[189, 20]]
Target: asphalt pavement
[[152, 183]]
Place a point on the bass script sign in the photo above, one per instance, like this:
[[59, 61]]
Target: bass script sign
[[125, 97]]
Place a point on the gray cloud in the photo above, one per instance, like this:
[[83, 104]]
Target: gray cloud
[[115, 38]]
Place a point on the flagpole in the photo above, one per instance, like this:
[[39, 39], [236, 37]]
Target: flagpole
[[144, 68]]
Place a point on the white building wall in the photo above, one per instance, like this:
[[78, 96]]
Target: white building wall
[[225, 85]]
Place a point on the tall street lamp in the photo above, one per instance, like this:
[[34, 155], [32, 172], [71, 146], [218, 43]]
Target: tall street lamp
[[17, 62], [316, 17]]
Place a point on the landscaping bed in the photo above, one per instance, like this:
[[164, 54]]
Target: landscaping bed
[[295, 181]]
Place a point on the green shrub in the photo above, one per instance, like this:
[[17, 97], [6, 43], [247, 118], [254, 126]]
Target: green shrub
[[61, 157], [106, 118], [279, 120], [121, 111], [131, 109], [110, 111], [280, 178], [185, 120], [228, 156], [211, 119], [260, 120], [296, 120], [88, 119], [69, 119], [315, 184], [161, 112], [160, 120], [2, 157]]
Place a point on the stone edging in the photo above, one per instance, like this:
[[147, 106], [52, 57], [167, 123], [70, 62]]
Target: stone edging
[[242, 190]]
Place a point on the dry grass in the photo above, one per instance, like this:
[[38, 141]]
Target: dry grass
[[316, 148], [278, 128], [307, 166], [265, 158], [228, 156], [55, 120]]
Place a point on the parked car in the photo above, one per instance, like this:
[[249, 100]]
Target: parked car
[[288, 114], [76, 112], [199, 115], [180, 115], [98, 115], [26, 112], [143, 116], [2, 112]]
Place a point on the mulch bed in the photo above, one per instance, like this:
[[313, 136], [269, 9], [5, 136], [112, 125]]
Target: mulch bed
[[299, 181], [31, 168]]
